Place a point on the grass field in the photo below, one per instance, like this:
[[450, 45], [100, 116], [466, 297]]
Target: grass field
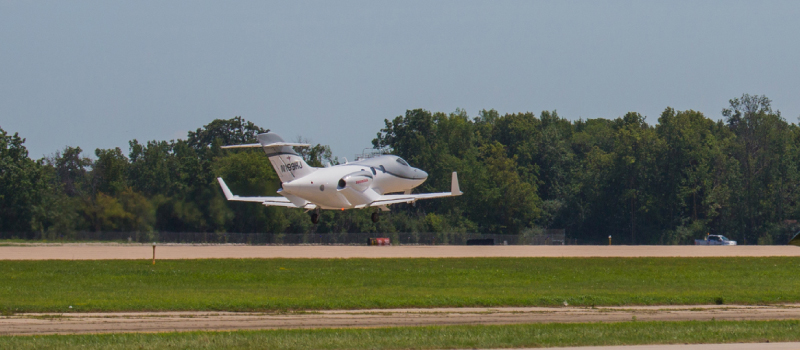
[[276, 284], [444, 337]]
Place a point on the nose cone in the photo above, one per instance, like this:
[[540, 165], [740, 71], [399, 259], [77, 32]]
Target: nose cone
[[420, 174]]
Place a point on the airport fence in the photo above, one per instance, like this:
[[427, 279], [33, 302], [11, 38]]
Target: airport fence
[[542, 237]]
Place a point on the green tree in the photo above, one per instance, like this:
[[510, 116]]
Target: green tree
[[636, 149], [507, 202], [21, 184], [694, 182], [249, 173], [110, 171], [763, 139], [220, 132]]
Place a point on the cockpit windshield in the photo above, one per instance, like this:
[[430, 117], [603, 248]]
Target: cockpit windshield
[[401, 161]]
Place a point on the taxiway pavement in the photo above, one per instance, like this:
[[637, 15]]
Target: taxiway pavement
[[127, 322]]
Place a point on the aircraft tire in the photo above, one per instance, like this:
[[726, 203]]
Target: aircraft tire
[[314, 218], [375, 217]]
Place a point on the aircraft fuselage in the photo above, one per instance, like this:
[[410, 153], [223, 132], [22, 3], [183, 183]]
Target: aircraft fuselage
[[355, 184], [374, 182]]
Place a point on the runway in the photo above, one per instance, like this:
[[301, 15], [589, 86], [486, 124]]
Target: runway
[[744, 346], [76, 323], [104, 251]]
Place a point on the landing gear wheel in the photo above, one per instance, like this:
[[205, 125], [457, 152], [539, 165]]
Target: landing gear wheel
[[314, 218], [375, 217]]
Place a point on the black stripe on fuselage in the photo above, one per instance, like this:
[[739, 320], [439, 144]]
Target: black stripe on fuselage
[[383, 171], [403, 177]]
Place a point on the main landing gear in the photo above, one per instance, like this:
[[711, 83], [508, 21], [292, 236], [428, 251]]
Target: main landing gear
[[315, 216]]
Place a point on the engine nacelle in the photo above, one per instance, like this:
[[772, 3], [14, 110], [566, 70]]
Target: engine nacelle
[[359, 181]]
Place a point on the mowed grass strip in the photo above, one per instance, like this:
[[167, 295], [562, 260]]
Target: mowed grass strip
[[443, 337], [284, 284]]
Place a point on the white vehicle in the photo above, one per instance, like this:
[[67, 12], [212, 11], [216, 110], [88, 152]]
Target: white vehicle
[[714, 240], [359, 184]]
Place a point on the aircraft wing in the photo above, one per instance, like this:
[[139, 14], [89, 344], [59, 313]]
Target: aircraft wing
[[277, 201], [410, 198], [795, 240]]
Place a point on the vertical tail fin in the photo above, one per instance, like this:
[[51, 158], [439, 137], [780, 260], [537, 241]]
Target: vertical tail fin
[[287, 163]]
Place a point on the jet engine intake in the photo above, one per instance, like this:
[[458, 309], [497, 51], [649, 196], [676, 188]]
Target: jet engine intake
[[359, 181]]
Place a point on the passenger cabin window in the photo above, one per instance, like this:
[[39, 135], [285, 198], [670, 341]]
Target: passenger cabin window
[[382, 169], [401, 161]]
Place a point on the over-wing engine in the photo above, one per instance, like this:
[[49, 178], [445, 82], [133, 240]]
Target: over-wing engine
[[358, 181]]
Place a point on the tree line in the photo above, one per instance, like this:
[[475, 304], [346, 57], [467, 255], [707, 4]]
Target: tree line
[[668, 183]]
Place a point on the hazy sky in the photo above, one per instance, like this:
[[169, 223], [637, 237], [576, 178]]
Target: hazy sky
[[98, 74]]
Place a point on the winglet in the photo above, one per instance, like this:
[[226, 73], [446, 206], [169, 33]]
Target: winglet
[[795, 240], [454, 190], [225, 189]]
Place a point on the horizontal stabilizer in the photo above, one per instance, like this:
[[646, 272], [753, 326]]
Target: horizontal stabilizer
[[243, 146], [274, 144]]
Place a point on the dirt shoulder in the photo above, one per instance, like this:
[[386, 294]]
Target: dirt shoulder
[[176, 251], [75, 323]]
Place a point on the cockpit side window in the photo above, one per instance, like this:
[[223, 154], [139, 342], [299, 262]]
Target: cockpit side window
[[401, 161], [373, 171]]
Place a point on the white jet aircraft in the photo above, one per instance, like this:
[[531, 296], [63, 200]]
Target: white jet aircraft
[[359, 184]]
